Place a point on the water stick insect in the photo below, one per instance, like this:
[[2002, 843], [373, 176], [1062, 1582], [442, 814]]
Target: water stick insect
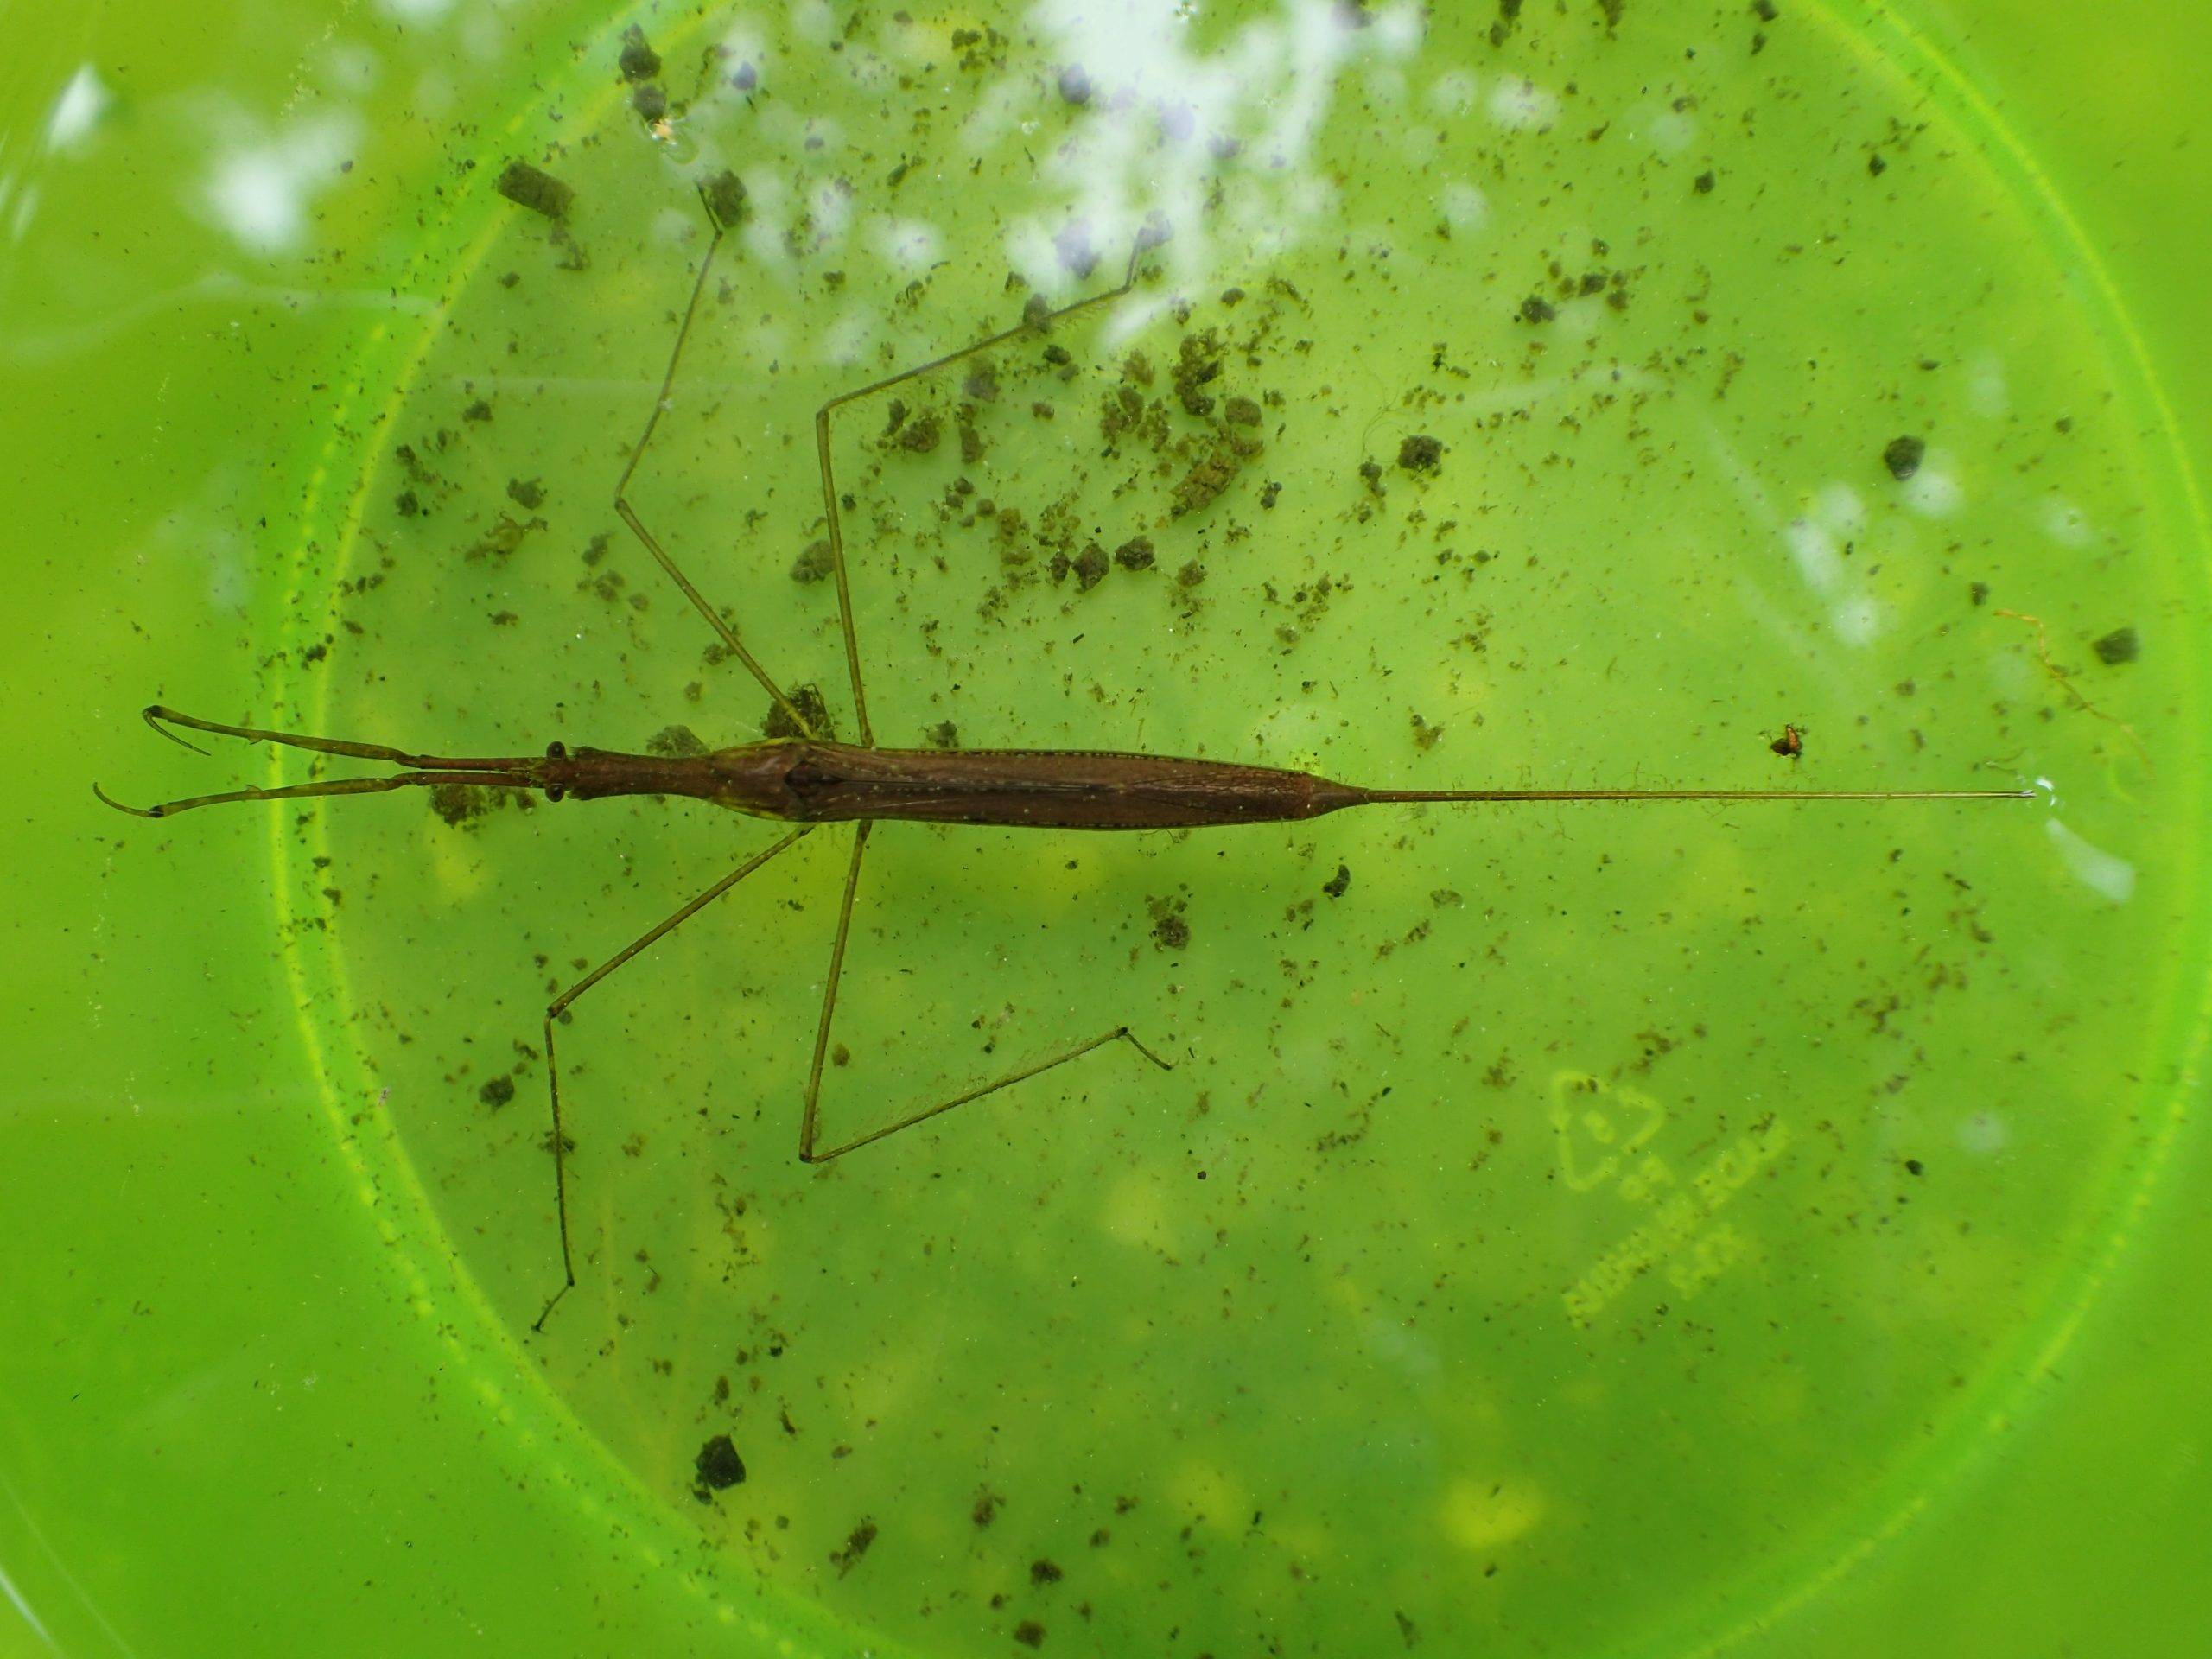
[[805, 777]]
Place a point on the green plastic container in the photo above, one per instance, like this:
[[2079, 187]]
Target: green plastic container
[[1760, 1227]]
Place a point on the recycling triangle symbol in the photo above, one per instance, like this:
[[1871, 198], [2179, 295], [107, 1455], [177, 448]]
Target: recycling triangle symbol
[[1597, 1125]]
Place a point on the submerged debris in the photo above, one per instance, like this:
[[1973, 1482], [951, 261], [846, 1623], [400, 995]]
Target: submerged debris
[[535, 188], [2120, 645]]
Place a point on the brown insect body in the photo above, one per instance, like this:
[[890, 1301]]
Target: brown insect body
[[814, 780], [810, 780], [805, 781]]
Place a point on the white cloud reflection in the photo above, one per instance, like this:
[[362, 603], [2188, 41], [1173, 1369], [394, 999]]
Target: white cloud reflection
[[1268, 86], [77, 111], [2106, 874], [259, 190]]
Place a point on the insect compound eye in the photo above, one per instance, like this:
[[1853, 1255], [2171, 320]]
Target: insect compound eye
[[554, 791], [556, 750]]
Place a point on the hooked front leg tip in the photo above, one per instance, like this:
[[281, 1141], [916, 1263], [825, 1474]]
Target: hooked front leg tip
[[135, 811]]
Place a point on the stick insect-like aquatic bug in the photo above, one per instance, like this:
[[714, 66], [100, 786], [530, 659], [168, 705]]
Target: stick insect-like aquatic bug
[[809, 779]]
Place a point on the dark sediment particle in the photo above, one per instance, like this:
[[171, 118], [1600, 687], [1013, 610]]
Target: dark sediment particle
[[539, 191], [1536, 309], [1205, 480], [459, 804], [814, 564], [1169, 931], [857, 1545], [724, 195], [1421, 454], [1136, 554], [2120, 645], [806, 700], [1197, 364], [639, 60], [650, 102], [1902, 457], [718, 1465]]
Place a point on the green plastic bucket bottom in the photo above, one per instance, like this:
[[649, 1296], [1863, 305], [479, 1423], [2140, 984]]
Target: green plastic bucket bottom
[[1594, 1228]]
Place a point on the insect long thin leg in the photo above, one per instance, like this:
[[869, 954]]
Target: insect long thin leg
[[829, 994], [1116, 1034], [723, 198], [1031, 323], [559, 1007], [810, 1120]]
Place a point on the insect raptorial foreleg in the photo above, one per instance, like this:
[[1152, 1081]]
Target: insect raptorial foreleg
[[810, 1149], [557, 1010]]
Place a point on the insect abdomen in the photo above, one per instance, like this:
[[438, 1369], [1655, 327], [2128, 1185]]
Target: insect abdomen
[[1064, 789]]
